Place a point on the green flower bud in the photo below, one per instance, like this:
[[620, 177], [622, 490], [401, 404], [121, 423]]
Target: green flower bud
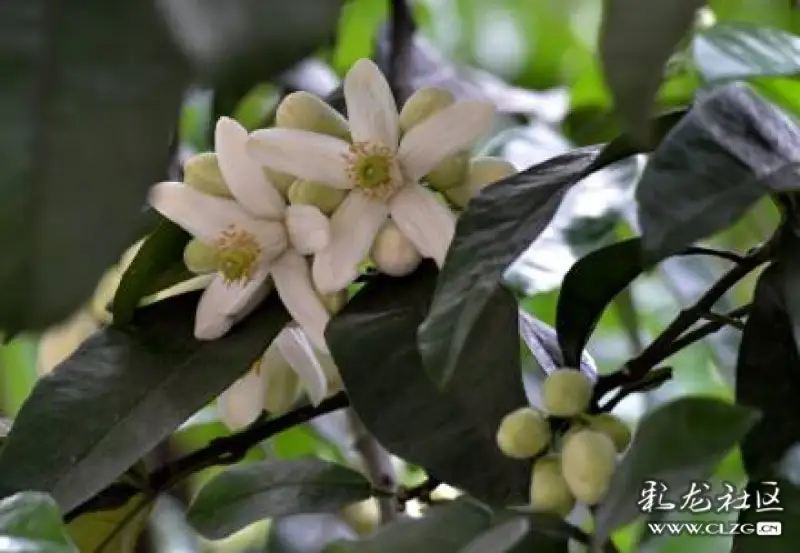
[[302, 110], [325, 198], [482, 172], [281, 383], [523, 433], [451, 172], [567, 392], [549, 492], [422, 104], [199, 257], [588, 459], [613, 427], [281, 181], [202, 173], [334, 302], [393, 253]]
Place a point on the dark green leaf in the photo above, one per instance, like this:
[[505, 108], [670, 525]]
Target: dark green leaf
[[136, 386], [30, 522], [730, 150], [731, 51], [82, 138], [499, 539], [548, 533], [444, 529], [680, 441], [248, 41], [157, 255], [307, 533], [373, 341], [636, 40], [787, 517], [248, 493]]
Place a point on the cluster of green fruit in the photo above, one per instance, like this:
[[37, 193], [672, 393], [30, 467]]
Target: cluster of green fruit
[[574, 462]]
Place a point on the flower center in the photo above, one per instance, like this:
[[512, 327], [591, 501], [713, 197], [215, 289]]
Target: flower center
[[237, 255], [373, 168]]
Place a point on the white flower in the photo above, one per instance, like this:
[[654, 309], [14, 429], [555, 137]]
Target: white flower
[[256, 236], [274, 382], [381, 171]]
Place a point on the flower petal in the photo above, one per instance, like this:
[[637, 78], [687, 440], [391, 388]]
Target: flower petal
[[304, 154], [354, 225], [444, 133], [371, 109], [222, 305], [298, 352], [201, 215], [243, 175], [428, 224], [243, 401], [292, 279], [309, 230]]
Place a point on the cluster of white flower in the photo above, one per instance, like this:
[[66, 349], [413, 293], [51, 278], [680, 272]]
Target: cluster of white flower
[[301, 206]]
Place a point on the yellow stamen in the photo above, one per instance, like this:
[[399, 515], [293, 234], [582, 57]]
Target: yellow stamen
[[237, 257], [373, 168]]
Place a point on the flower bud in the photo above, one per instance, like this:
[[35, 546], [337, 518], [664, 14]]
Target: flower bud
[[281, 181], [613, 427], [334, 302], [422, 104], [450, 173], [393, 252], [523, 433], [325, 198], [202, 173], [282, 386], [549, 492], [588, 461], [482, 172], [567, 392], [199, 257], [302, 110], [363, 517]]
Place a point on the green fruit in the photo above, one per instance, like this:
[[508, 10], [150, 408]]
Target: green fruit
[[481, 173], [567, 392], [588, 461], [451, 172], [199, 257], [393, 253], [612, 427], [325, 198], [549, 492], [422, 104], [523, 433], [302, 110], [202, 173]]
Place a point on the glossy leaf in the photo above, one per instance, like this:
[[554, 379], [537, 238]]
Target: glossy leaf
[[373, 341], [730, 51], [245, 494], [30, 522], [153, 376], [680, 441], [500, 539], [82, 137], [730, 150], [636, 40], [112, 531]]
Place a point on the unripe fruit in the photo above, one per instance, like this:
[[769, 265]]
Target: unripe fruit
[[302, 110], [481, 173], [281, 181], [325, 198], [393, 253], [199, 257], [422, 104], [202, 173], [567, 392], [451, 172], [588, 461], [549, 492], [612, 427], [523, 433]]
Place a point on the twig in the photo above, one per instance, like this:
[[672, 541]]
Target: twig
[[724, 319], [704, 330], [377, 465], [722, 254], [220, 451]]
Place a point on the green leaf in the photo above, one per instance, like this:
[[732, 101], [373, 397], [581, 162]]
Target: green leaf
[[82, 138], [787, 517], [636, 40], [730, 51], [444, 529], [30, 522], [248, 493], [156, 256], [730, 150], [500, 539], [373, 340], [244, 42], [679, 442], [112, 531], [152, 376]]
